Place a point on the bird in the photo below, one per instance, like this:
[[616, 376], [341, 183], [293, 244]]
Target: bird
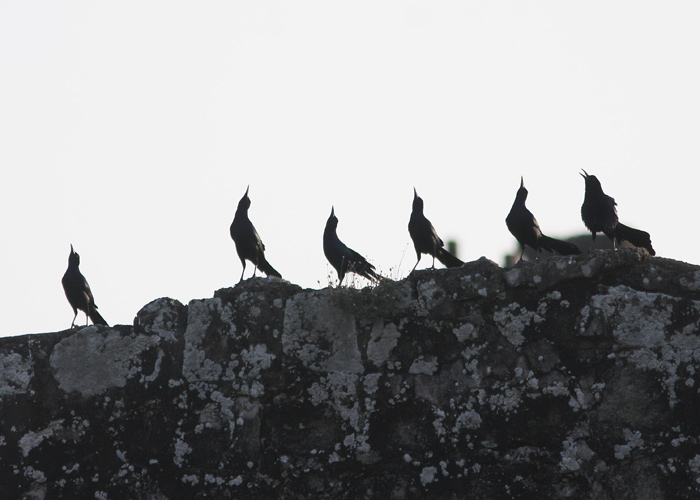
[[342, 258], [523, 225], [425, 238], [599, 214], [249, 246], [78, 292]]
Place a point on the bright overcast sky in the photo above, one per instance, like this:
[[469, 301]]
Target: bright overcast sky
[[131, 130]]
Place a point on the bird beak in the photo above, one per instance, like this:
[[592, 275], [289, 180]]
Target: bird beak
[[522, 182], [332, 211], [246, 190], [415, 193], [71, 248], [584, 174]]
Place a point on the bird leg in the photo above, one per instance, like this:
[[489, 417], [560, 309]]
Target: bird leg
[[341, 275], [414, 267], [242, 272], [590, 248], [72, 324]]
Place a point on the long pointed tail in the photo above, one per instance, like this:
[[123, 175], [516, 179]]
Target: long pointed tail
[[448, 259], [371, 274], [367, 270], [636, 237], [265, 267], [559, 246], [96, 317]]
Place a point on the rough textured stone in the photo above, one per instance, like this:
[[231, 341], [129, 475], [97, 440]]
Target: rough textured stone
[[573, 377]]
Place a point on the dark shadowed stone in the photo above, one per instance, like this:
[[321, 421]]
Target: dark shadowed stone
[[565, 378]]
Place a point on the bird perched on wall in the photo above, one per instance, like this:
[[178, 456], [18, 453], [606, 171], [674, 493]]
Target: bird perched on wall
[[249, 246], [425, 238], [78, 292], [342, 258], [523, 225], [599, 214]]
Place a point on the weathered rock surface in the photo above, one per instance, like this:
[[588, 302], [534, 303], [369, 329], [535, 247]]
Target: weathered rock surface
[[574, 377]]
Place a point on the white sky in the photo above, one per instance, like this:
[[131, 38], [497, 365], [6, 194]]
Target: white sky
[[131, 130]]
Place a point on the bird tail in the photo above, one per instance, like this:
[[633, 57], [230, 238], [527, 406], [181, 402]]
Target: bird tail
[[636, 237], [96, 317], [559, 246], [368, 272], [265, 267], [448, 259]]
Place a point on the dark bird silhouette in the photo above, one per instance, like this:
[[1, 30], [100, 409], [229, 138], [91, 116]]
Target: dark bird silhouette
[[248, 243], [600, 215], [425, 238], [523, 225], [78, 292], [342, 258]]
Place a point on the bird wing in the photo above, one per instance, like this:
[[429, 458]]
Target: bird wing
[[356, 258], [258, 241], [424, 235]]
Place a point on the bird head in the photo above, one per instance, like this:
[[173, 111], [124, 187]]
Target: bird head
[[244, 203], [522, 191], [73, 257], [332, 221], [592, 181], [417, 201]]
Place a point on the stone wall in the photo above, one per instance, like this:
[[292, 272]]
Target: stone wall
[[573, 377]]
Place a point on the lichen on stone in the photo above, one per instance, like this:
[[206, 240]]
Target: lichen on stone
[[15, 374], [567, 377], [107, 359]]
